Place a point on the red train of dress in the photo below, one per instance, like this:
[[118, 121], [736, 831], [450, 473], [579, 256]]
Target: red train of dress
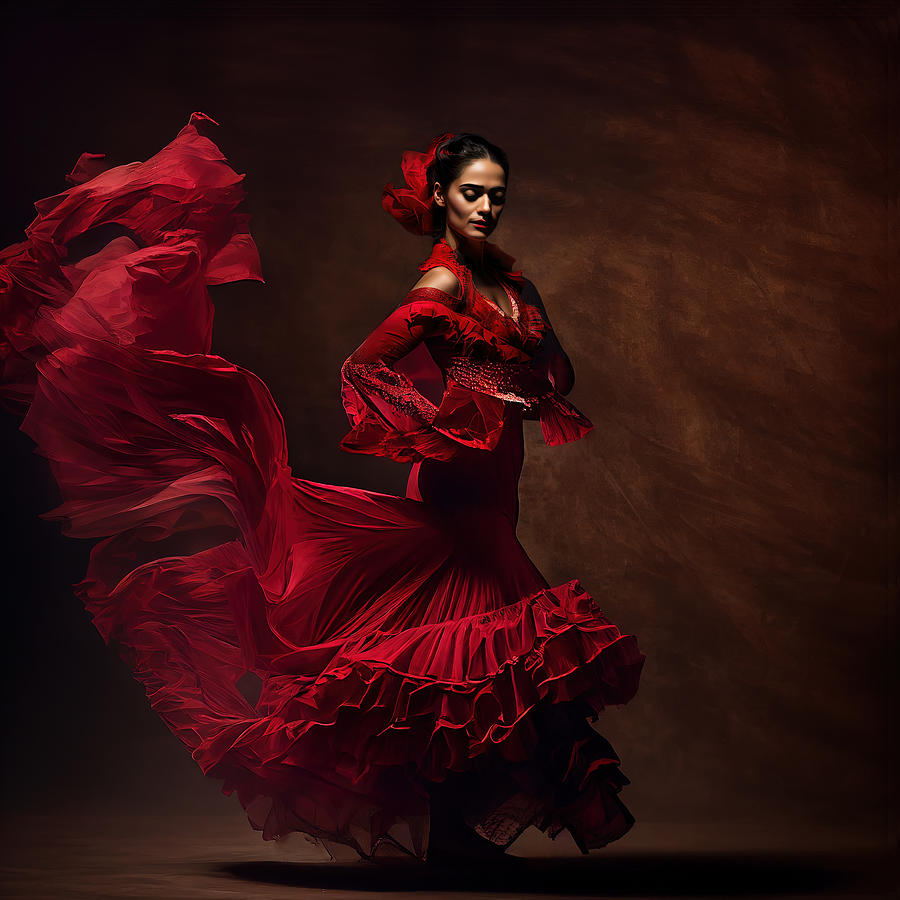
[[393, 641]]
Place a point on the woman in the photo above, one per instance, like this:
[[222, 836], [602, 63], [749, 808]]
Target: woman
[[390, 674]]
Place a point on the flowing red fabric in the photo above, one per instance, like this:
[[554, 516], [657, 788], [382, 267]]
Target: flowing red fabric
[[330, 653], [411, 205]]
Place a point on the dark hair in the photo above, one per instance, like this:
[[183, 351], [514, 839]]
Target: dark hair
[[450, 159]]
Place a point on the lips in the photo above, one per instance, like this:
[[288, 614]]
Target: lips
[[481, 223]]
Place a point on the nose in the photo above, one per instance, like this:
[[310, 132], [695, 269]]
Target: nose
[[484, 207]]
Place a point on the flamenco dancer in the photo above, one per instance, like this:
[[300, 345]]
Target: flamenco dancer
[[391, 674]]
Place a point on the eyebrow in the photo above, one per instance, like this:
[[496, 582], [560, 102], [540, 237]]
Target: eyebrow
[[499, 187]]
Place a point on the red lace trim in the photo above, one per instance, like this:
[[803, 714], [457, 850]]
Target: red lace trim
[[433, 293], [392, 386]]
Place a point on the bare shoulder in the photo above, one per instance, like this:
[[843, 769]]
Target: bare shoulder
[[441, 278]]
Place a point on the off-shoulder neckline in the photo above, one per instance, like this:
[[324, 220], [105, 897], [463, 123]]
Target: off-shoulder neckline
[[443, 253], [530, 326]]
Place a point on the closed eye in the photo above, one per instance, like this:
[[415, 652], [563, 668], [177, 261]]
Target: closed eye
[[497, 195]]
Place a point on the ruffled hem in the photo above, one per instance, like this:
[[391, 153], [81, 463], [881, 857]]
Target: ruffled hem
[[571, 781], [433, 697], [347, 753]]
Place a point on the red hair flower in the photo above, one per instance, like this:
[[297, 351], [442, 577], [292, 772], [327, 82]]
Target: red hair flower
[[411, 205]]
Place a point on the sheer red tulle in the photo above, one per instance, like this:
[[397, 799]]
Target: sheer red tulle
[[331, 653]]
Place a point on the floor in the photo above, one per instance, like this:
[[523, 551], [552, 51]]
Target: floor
[[215, 857]]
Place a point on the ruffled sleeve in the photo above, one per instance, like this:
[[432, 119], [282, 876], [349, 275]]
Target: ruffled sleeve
[[389, 416]]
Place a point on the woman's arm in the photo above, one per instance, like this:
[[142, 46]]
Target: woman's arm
[[369, 367], [551, 358], [383, 390], [390, 417]]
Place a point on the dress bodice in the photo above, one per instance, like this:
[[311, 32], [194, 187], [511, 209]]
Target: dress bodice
[[437, 373]]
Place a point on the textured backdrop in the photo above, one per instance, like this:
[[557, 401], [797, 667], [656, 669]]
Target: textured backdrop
[[701, 200]]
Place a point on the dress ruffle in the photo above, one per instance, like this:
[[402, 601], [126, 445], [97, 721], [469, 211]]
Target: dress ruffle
[[305, 641]]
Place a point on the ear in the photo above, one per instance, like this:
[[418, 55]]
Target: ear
[[439, 194]]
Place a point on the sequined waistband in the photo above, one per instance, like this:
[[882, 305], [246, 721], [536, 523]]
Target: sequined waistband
[[508, 381]]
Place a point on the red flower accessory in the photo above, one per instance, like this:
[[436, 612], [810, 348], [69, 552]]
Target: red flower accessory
[[411, 205]]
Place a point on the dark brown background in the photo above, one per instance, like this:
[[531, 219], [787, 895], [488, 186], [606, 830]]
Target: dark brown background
[[701, 196]]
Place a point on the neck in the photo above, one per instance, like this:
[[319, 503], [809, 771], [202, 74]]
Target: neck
[[471, 249]]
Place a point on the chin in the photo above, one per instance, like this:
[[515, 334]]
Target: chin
[[473, 234]]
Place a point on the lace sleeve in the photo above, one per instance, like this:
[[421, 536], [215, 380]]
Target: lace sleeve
[[390, 417], [393, 388], [385, 391]]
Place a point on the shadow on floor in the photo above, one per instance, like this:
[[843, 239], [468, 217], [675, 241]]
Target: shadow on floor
[[651, 874]]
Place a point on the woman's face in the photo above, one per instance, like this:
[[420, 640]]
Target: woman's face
[[474, 201]]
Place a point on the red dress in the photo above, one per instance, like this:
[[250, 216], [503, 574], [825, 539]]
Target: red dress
[[329, 652]]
